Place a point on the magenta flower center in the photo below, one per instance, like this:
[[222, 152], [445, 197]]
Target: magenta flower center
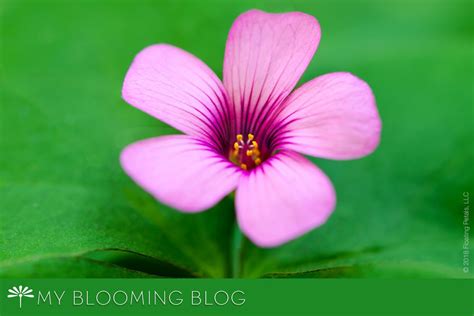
[[245, 153]]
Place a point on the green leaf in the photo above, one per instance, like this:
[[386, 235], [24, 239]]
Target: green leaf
[[63, 197], [69, 267]]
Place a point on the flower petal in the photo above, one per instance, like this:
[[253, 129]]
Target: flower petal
[[178, 89], [265, 56], [180, 171], [282, 199], [333, 116]]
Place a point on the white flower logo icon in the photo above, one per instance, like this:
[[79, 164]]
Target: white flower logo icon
[[20, 292]]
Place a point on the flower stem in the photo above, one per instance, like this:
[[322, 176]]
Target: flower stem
[[237, 240]]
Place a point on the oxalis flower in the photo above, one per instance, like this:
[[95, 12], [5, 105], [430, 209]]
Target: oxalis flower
[[249, 133]]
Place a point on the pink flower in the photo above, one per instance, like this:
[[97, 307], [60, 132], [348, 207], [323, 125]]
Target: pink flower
[[249, 133]]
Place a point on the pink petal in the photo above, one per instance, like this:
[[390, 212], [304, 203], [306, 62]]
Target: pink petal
[[178, 89], [282, 199], [265, 56], [180, 171], [333, 116]]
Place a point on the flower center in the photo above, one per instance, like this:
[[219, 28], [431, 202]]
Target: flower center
[[245, 153]]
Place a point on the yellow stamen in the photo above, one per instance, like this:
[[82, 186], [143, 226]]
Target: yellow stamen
[[249, 146]]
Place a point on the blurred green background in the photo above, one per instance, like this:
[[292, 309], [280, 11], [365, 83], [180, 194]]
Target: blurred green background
[[68, 210]]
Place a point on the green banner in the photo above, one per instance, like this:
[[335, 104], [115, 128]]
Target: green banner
[[232, 297]]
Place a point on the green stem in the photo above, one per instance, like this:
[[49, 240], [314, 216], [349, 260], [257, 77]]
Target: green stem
[[237, 240]]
